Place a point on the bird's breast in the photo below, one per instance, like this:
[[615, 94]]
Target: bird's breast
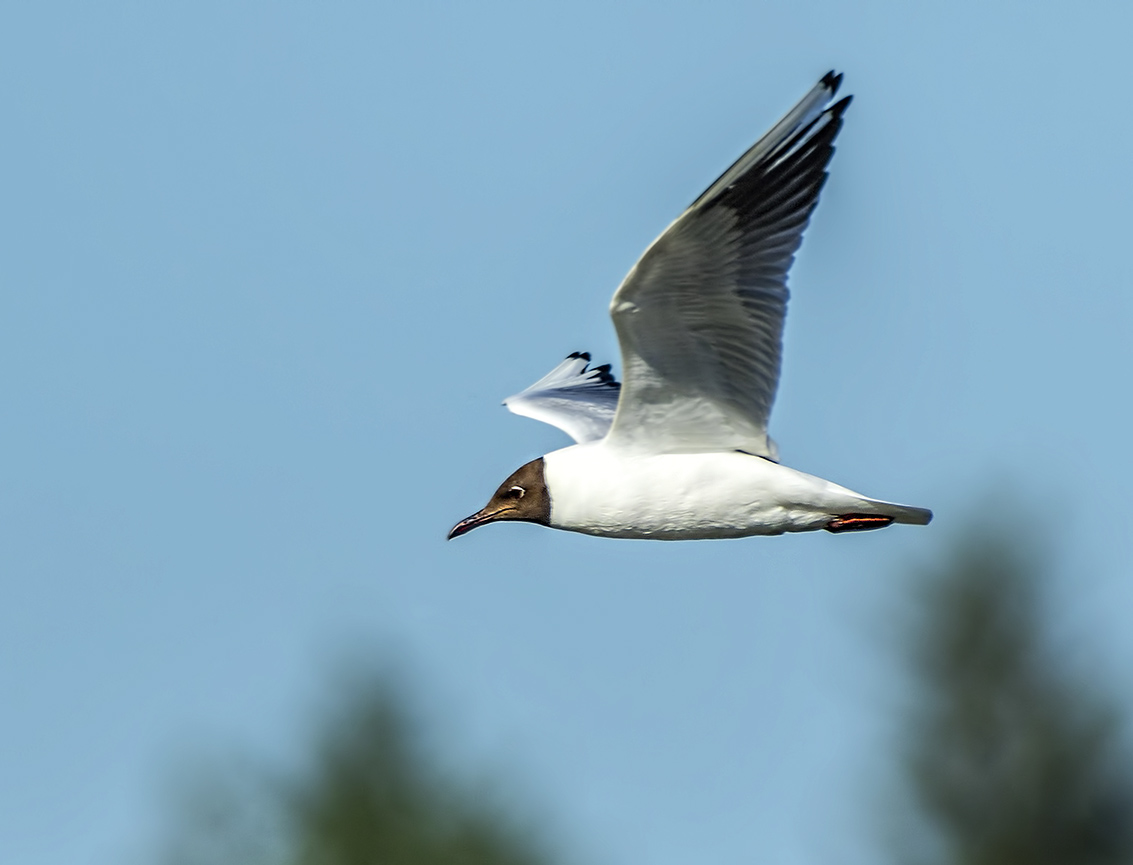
[[601, 490]]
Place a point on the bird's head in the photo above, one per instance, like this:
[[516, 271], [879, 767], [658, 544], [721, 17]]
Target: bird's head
[[523, 496]]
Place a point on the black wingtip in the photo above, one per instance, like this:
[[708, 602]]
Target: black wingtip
[[605, 376], [600, 375], [832, 81]]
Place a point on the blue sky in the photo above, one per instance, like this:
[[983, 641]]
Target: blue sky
[[266, 271]]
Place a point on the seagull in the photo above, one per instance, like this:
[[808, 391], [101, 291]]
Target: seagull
[[679, 450]]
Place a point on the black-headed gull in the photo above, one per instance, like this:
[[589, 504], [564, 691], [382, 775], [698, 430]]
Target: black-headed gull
[[680, 449]]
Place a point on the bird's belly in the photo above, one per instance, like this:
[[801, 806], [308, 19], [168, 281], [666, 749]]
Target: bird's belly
[[681, 496]]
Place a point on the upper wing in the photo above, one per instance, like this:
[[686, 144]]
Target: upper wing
[[700, 316], [578, 400]]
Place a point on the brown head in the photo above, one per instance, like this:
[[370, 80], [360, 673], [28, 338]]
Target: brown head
[[522, 497]]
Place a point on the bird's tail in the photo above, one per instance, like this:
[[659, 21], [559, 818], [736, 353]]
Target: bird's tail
[[872, 514], [906, 514]]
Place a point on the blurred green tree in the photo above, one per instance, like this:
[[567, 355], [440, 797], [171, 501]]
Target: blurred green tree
[[371, 795], [1009, 759]]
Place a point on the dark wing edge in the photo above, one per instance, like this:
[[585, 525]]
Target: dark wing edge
[[808, 109]]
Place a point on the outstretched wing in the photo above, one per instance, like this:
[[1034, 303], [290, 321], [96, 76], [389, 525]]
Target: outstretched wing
[[577, 399], [700, 316]]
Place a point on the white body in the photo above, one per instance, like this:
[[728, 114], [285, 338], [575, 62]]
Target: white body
[[600, 489]]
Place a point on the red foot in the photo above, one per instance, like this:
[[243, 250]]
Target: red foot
[[857, 523]]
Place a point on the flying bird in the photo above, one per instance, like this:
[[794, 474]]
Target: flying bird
[[679, 449]]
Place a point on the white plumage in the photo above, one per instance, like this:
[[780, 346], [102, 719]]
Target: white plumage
[[578, 400]]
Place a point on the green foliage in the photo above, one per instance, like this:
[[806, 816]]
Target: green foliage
[[1010, 760], [373, 798], [370, 796]]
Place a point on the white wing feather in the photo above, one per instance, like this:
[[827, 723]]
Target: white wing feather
[[700, 316], [573, 397]]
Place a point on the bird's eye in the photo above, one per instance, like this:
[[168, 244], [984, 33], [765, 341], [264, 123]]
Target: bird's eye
[[515, 493]]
